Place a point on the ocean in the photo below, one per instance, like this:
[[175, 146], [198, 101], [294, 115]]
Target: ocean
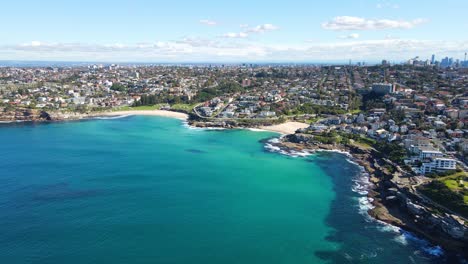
[[142, 189]]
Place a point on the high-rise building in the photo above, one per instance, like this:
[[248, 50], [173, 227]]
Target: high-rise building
[[433, 59], [446, 62]]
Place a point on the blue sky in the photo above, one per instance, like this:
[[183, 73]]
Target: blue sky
[[224, 31]]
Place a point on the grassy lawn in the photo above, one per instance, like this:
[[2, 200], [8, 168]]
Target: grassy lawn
[[313, 120], [183, 107], [355, 112], [452, 182], [361, 144], [454, 176]]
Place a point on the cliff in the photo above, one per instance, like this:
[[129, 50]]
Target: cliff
[[23, 114], [37, 115]]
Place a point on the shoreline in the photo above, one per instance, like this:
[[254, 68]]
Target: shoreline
[[163, 113], [37, 116], [390, 204], [384, 210], [286, 128]]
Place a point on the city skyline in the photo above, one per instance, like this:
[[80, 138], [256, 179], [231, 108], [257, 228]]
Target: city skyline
[[207, 31]]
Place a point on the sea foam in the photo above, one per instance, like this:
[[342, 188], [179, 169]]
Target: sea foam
[[110, 117]]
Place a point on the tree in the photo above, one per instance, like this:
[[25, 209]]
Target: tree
[[118, 87], [392, 150]]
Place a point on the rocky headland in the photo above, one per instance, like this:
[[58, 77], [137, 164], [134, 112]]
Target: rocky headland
[[394, 197]]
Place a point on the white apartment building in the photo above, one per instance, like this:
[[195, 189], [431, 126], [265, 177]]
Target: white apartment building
[[426, 153], [438, 164]]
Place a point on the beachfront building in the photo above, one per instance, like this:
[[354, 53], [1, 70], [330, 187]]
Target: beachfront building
[[438, 164]]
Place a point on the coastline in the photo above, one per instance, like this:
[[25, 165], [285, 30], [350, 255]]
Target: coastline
[[388, 206], [30, 115], [285, 128], [163, 113], [36, 115], [389, 203]]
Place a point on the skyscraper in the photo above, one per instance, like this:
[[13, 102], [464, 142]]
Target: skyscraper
[[433, 59]]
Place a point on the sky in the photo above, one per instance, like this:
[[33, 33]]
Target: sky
[[232, 31]]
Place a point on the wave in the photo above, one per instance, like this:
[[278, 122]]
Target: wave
[[291, 153], [405, 238], [364, 205], [361, 185], [426, 247], [110, 117], [14, 121], [257, 130], [274, 140]]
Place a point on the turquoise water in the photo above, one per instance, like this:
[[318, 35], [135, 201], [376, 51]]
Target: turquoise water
[[150, 190]]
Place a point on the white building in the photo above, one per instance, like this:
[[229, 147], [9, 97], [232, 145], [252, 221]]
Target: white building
[[318, 127], [426, 153], [438, 164], [266, 114]]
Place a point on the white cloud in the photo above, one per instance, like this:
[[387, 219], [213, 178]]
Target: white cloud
[[358, 23], [35, 43], [388, 36], [244, 25], [255, 30], [262, 28], [226, 50], [350, 36], [235, 35], [208, 22]]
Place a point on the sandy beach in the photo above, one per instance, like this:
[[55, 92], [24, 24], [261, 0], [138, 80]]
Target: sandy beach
[[164, 113], [285, 128]]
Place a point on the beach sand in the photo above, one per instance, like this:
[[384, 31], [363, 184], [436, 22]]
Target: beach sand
[[148, 113], [286, 128]]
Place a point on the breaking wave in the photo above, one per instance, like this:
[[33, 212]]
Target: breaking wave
[[110, 117]]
